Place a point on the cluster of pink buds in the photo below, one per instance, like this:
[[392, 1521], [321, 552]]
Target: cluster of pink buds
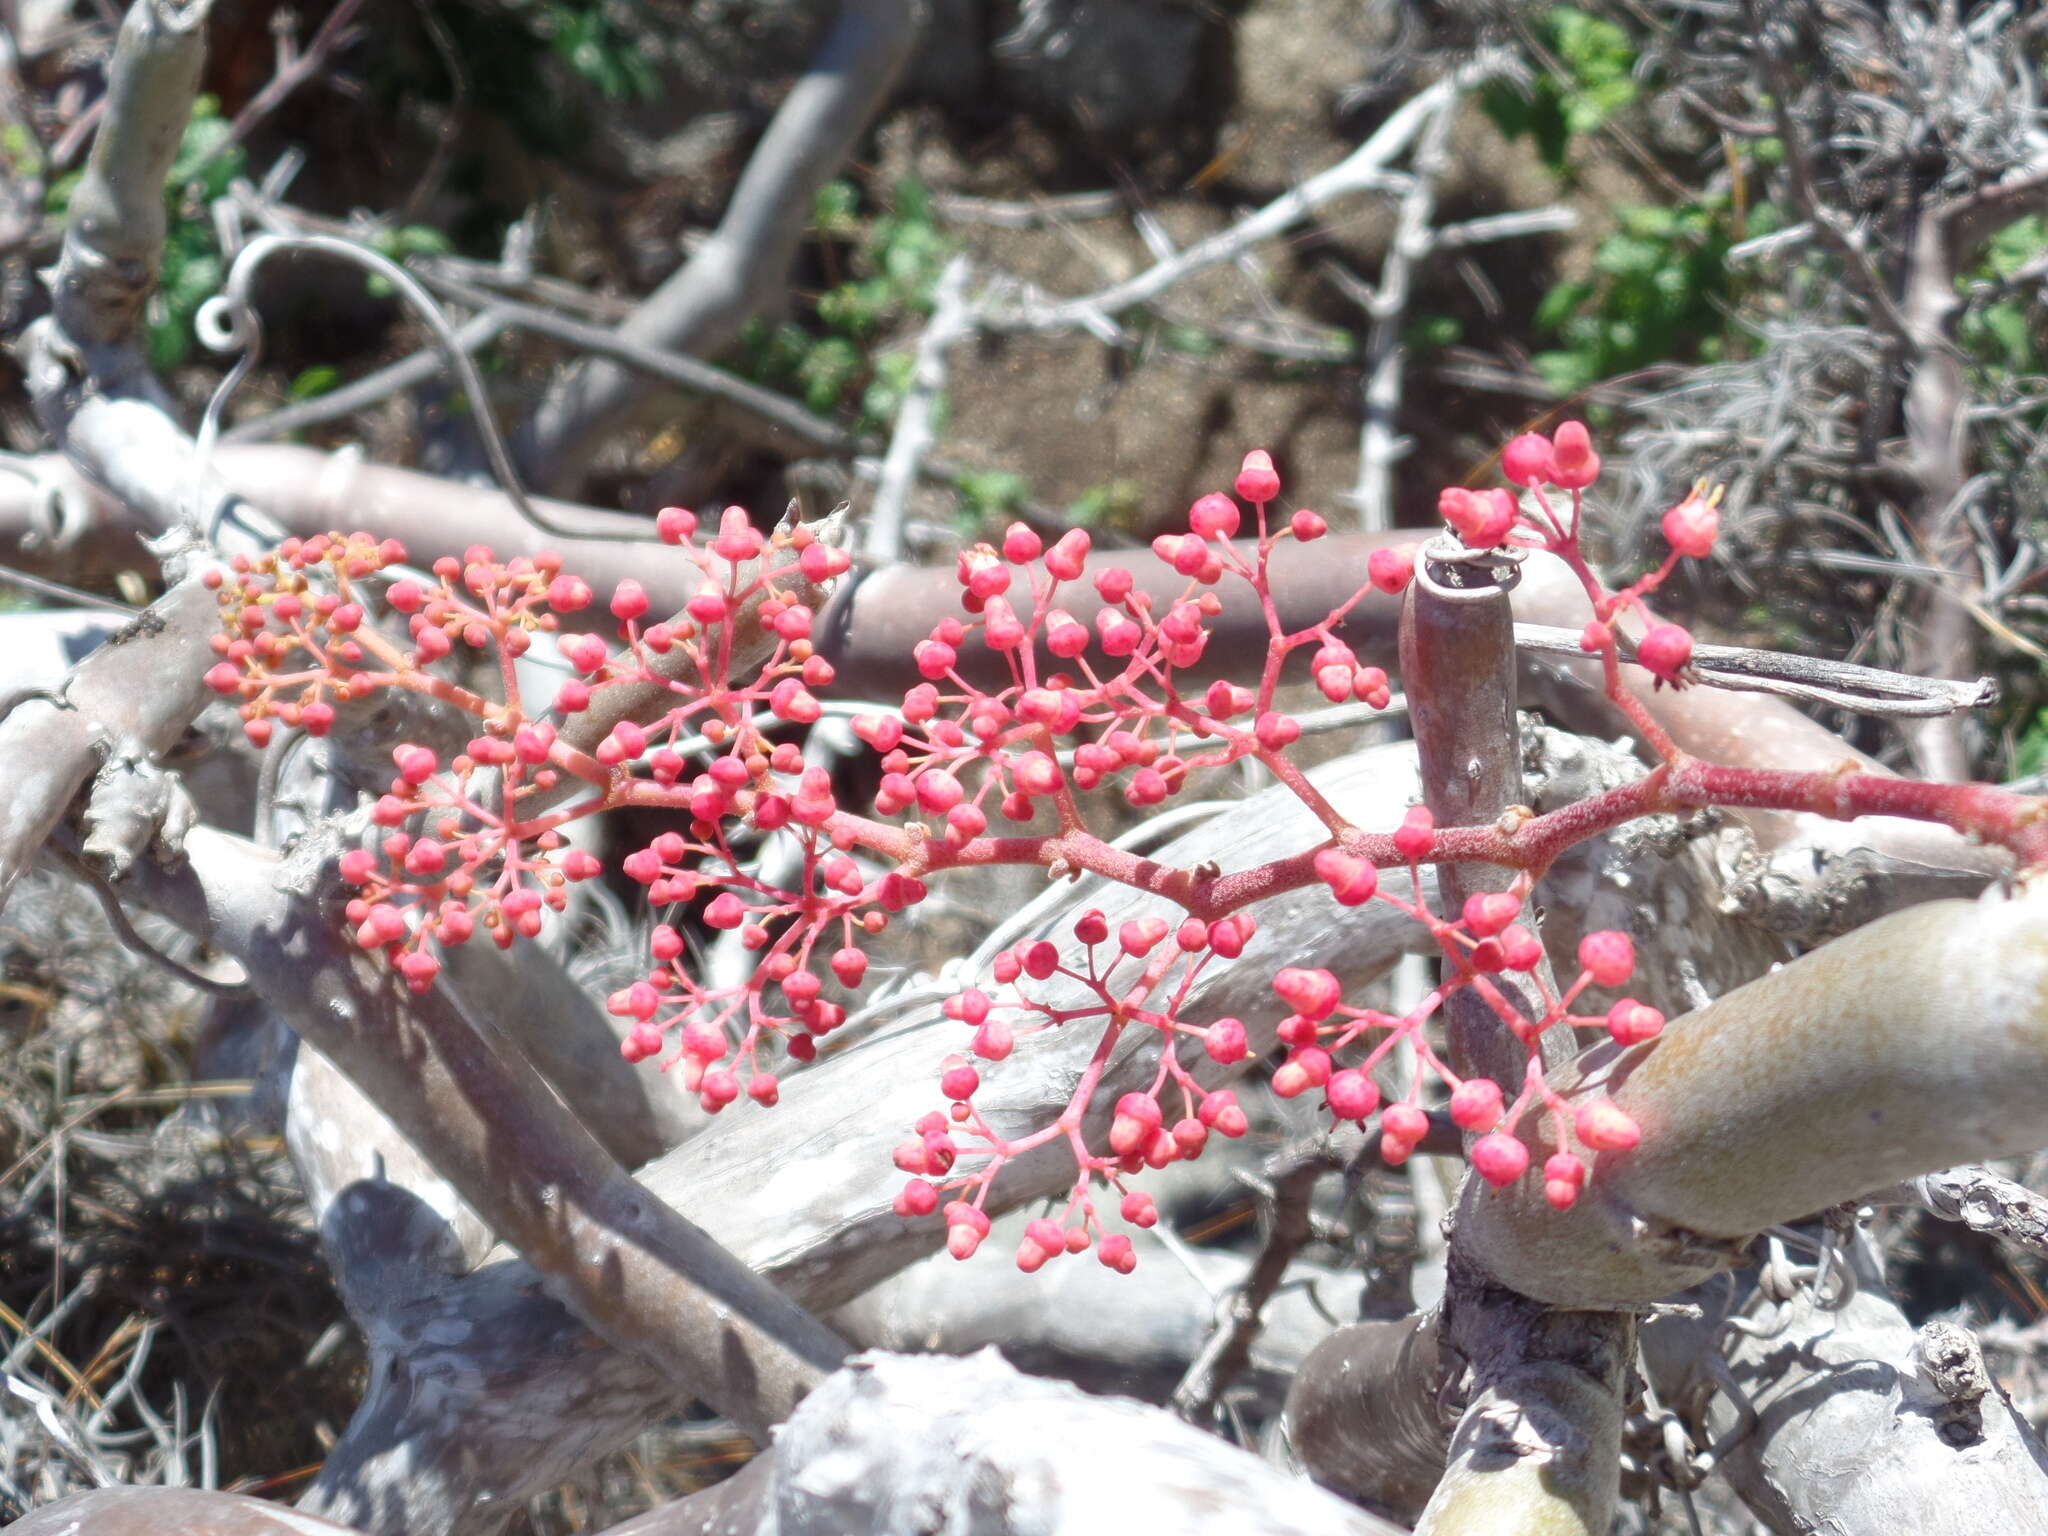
[[1024, 709], [288, 646], [1566, 462]]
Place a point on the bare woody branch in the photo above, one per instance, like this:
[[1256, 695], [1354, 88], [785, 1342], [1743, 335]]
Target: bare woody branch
[[744, 266], [623, 1260]]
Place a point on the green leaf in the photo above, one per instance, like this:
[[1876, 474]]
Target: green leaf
[[314, 382]]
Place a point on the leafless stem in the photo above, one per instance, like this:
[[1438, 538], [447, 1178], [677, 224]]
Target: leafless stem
[[744, 265], [633, 1269], [952, 318]]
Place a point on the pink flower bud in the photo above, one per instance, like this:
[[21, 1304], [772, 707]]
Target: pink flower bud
[[1631, 1022], [1352, 1094], [1666, 651], [959, 1081], [1313, 994], [1520, 950], [567, 594], [1527, 460], [1256, 480], [1141, 936], [1214, 516], [629, 600], [1352, 880], [1391, 569], [1500, 1159], [1116, 1253], [1489, 912], [1476, 1104], [1574, 464], [1020, 545], [1307, 526], [1609, 957], [415, 764], [1275, 730], [1406, 1123], [725, 910], [1220, 1112], [673, 525], [1595, 637], [938, 791], [1605, 1127], [1692, 526], [1563, 1176], [917, 1198], [1068, 558], [1306, 1068], [1415, 838]]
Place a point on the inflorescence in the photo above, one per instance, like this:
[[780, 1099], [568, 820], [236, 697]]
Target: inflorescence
[[1024, 711]]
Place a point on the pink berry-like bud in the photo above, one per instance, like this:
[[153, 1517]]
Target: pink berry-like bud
[[1306, 1068], [1257, 481], [1595, 637], [1141, 936], [1308, 526], [1311, 993], [1116, 1253], [1476, 1104], [1214, 516], [1275, 730], [1692, 526], [959, 1081], [1574, 464], [1415, 838], [1220, 1112], [1352, 1094], [674, 524], [1138, 1209], [1631, 1022], [1527, 460], [1225, 1042], [629, 600], [1605, 1127], [1489, 912], [917, 1198], [1520, 950], [1391, 569], [1666, 651], [1609, 957], [1563, 1177], [1352, 880], [1020, 545], [725, 910], [1500, 1159], [1068, 558], [415, 764], [1405, 1123], [567, 594]]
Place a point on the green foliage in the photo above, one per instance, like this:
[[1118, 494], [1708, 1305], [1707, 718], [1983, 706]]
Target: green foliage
[[1597, 81], [1114, 503], [991, 495], [586, 36], [193, 267], [2001, 334], [2030, 752], [1659, 292], [893, 268], [397, 244]]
